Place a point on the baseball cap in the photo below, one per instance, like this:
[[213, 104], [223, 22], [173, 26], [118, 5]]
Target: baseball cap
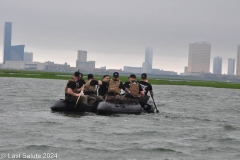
[[144, 76], [132, 76], [115, 74], [76, 74], [90, 76]]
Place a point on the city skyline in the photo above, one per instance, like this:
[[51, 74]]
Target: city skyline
[[108, 32]]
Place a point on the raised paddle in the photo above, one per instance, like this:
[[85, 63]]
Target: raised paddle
[[155, 105]]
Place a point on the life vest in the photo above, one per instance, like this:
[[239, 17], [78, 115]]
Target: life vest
[[134, 89], [88, 87], [74, 90], [114, 86]]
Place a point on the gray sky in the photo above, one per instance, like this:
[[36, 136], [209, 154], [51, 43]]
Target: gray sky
[[116, 32]]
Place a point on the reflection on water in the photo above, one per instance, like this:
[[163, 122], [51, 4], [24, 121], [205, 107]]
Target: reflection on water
[[193, 123]]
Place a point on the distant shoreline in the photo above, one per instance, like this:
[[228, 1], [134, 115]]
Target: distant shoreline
[[154, 81]]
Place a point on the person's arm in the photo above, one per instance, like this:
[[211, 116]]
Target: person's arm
[[141, 90], [70, 91], [151, 93], [124, 87], [99, 82]]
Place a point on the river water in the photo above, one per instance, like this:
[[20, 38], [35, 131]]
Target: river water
[[194, 123]]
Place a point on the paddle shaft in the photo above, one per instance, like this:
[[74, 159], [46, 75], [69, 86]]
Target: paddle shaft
[[155, 105]]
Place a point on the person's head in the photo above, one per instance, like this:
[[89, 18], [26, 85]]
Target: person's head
[[144, 76], [115, 75], [132, 78], [106, 78], [76, 76], [90, 76]]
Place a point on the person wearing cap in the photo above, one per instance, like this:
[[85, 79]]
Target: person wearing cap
[[103, 89], [146, 86], [90, 87], [114, 89], [134, 88], [80, 81], [71, 91]]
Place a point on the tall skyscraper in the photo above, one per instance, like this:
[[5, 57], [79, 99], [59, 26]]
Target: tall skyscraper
[[238, 60], [82, 56], [231, 66], [28, 56], [7, 41], [199, 57], [11, 53], [217, 65], [147, 65]]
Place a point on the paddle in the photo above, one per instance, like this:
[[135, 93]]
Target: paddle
[[155, 105], [79, 96]]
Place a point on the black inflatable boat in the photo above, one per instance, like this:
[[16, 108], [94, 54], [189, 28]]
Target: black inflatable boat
[[63, 106], [125, 108]]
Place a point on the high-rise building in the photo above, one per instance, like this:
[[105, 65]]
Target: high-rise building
[[231, 66], [7, 41], [147, 65], [28, 56], [238, 60], [82, 62], [217, 65], [11, 53], [199, 57], [82, 56]]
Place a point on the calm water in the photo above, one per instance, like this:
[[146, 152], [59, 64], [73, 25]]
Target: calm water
[[193, 123]]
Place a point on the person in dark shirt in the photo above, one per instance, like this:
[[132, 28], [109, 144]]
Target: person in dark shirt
[[146, 86], [134, 88], [90, 87], [103, 89], [80, 81], [71, 91], [114, 89]]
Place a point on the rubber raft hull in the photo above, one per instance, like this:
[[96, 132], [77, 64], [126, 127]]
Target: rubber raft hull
[[125, 108], [63, 106]]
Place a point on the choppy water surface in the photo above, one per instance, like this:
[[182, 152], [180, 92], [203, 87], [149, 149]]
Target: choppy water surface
[[193, 123]]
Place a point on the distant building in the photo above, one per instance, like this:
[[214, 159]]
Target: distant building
[[17, 53], [185, 69], [147, 65], [11, 53], [199, 57], [103, 68], [7, 42], [128, 69], [89, 65], [82, 63], [82, 56], [231, 66], [238, 60], [28, 56], [217, 65]]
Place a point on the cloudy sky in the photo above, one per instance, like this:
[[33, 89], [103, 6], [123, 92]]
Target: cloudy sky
[[116, 32]]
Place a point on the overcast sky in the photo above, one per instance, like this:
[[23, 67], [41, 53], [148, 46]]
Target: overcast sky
[[115, 33]]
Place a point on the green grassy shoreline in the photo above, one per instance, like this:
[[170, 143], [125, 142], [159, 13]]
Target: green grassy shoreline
[[66, 76]]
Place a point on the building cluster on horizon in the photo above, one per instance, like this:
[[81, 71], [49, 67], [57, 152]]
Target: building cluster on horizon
[[147, 66], [199, 61], [14, 57]]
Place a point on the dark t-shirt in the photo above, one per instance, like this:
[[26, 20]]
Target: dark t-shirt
[[103, 89], [145, 86], [127, 85], [71, 85], [81, 82]]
